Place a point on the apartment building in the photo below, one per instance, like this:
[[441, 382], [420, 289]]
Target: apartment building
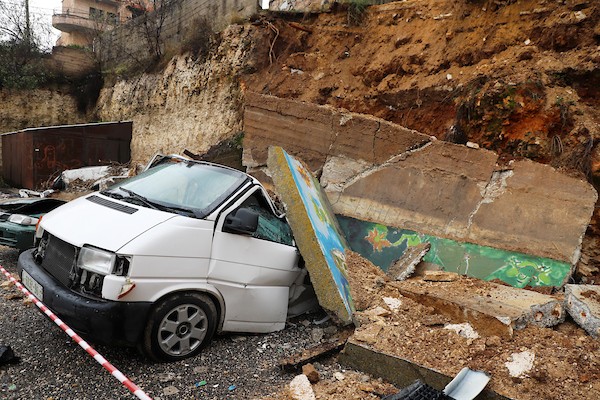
[[80, 21]]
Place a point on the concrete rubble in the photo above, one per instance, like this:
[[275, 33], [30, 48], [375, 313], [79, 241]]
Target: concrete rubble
[[491, 309], [583, 305]]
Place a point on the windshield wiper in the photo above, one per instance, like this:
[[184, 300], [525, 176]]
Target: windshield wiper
[[140, 198], [157, 206], [111, 193]]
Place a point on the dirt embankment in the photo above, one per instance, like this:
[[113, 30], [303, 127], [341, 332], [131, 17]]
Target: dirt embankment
[[520, 78]]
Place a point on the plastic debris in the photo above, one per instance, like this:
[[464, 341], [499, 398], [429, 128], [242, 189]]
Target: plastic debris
[[467, 384], [417, 391], [231, 388], [201, 383]]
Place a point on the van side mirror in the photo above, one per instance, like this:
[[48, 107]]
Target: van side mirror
[[244, 220]]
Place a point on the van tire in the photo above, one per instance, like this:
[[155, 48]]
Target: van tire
[[179, 327]]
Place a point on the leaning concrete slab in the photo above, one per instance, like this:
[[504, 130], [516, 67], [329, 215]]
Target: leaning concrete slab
[[397, 370], [583, 305], [316, 232], [491, 309]]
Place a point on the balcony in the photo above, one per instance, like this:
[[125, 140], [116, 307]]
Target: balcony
[[78, 23]]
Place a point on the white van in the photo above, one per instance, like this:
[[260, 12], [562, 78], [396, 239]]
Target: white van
[[167, 258]]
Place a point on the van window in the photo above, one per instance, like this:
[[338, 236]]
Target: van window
[[270, 227]]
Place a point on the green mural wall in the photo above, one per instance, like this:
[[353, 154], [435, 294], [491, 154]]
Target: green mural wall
[[383, 245]]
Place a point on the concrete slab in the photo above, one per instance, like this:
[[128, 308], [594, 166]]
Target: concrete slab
[[316, 232], [397, 370], [492, 309], [432, 189], [313, 132], [583, 305], [536, 210]]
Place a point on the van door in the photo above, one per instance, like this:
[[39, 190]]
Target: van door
[[254, 271]]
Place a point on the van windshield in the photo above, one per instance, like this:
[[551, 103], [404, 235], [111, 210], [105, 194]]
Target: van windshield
[[187, 188]]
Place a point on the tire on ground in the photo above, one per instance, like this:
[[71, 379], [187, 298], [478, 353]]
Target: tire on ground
[[179, 326]]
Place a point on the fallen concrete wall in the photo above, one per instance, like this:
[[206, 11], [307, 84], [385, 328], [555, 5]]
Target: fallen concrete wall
[[380, 172]]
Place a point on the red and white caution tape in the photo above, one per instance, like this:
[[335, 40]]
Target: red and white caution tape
[[133, 388]]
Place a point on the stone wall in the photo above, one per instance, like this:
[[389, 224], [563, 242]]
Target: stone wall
[[182, 22]]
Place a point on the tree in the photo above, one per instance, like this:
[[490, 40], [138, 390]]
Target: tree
[[22, 38], [152, 14]]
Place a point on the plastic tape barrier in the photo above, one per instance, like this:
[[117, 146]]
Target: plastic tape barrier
[[133, 388]]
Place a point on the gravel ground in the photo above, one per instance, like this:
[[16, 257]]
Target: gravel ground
[[53, 367]]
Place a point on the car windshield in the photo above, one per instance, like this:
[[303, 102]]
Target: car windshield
[[188, 188]]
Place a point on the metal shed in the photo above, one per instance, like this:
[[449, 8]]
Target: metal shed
[[33, 156]]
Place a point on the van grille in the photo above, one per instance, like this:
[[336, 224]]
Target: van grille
[[60, 259]]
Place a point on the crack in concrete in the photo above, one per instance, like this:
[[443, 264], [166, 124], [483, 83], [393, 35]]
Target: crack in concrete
[[378, 167], [495, 187]]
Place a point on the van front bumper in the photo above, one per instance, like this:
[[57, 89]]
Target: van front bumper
[[102, 321]]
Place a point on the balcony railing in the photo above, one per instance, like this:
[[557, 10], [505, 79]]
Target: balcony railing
[[72, 22]]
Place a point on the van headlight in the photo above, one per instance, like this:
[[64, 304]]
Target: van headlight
[[96, 260], [22, 219]]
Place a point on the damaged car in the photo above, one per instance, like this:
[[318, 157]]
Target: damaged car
[[19, 217], [168, 258]]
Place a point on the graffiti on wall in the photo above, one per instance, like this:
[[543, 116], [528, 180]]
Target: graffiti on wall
[[383, 245]]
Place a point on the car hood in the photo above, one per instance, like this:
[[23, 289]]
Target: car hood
[[101, 222]]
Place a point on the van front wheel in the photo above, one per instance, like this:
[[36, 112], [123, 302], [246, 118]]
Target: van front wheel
[[179, 327]]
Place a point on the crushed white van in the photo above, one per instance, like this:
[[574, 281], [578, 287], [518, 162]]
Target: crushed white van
[[167, 258]]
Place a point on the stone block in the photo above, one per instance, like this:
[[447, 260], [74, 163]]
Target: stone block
[[492, 309], [583, 305], [311, 373]]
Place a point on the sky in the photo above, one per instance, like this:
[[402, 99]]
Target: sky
[[45, 8]]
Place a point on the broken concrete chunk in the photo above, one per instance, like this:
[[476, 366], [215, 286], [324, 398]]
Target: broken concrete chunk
[[440, 276], [490, 308], [405, 266], [465, 330], [392, 303], [520, 364], [368, 334], [301, 389], [316, 232], [583, 304]]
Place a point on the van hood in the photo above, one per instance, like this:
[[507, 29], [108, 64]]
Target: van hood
[[101, 221]]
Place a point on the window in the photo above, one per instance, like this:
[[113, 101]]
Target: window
[[270, 227], [96, 14]]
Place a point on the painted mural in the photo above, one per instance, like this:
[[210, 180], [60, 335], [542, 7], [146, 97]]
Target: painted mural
[[329, 236], [383, 245]]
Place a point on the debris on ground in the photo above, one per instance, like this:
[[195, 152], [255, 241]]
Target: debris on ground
[[405, 266], [7, 355], [583, 305], [333, 344]]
